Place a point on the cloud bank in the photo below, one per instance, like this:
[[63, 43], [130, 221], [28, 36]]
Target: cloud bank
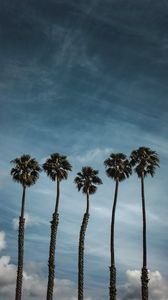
[[158, 287], [34, 287]]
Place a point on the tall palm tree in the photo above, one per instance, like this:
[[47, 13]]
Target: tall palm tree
[[86, 180], [56, 167], [26, 172], [145, 162], [118, 168]]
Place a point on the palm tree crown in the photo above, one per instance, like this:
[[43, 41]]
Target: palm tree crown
[[145, 160], [26, 170], [57, 166], [118, 166], [87, 180]]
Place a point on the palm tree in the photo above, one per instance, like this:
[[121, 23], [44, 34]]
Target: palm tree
[[145, 162], [56, 167], [26, 172], [118, 168], [86, 180]]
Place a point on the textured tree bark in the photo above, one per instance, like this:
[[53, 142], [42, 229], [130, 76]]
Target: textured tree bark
[[112, 282], [19, 279], [112, 288], [144, 280], [81, 255], [144, 276], [51, 261]]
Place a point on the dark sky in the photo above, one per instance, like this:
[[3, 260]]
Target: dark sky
[[84, 78]]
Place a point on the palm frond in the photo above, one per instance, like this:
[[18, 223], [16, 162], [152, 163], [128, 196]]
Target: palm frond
[[87, 180], [118, 166], [57, 167], [26, 170], [145, 161]]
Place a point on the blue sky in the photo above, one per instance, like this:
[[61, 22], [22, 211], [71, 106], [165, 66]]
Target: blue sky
[[84, 78]]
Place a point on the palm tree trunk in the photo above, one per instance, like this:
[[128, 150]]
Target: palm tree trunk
[[144, 276], [81, 251], [112, 288], [51, 261], [18, 294]]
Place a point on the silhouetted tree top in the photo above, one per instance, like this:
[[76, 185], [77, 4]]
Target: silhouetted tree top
[[26, 170], [87, 180], [145, 161], [57, 167], [118, 166]]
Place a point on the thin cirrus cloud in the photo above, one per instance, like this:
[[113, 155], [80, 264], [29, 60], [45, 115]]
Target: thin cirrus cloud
[[93, 155], [29, 221]]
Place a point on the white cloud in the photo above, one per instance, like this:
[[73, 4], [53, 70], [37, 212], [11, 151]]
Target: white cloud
[[29, 221], [158, 287], [2, 240]]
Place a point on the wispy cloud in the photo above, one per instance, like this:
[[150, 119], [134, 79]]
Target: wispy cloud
[[93, 155], [29, 221]]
